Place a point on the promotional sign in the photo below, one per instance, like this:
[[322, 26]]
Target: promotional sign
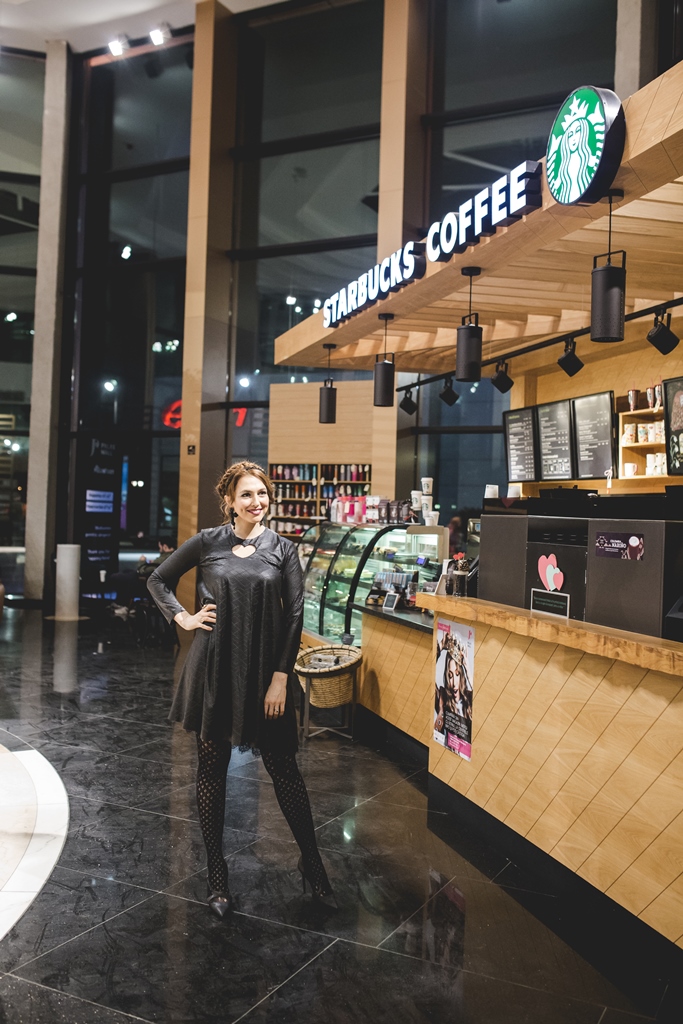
[[620, 545], [99, 513], [673, 425], [585, 146], [453, 679]]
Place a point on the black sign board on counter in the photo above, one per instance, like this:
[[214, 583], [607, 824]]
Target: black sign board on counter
[[520, 444], [594, 435], [555, 440]]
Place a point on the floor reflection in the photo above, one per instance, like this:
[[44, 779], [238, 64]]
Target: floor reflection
[[423, 933]]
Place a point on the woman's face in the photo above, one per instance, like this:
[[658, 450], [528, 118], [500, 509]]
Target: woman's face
[[573, 136], [251, 500]]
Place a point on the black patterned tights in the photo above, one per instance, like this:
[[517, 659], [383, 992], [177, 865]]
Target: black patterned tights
[[290, 790]]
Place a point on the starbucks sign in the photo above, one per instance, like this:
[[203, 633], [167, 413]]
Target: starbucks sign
[[585, 146]]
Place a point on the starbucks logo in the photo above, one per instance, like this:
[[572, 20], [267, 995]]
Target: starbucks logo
[[585, 146]]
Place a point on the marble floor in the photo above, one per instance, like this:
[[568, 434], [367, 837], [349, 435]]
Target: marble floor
[[432, 925]]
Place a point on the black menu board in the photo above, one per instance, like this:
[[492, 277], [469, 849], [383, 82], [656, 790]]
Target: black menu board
[[520, 444], [555, 440], [593, 435]]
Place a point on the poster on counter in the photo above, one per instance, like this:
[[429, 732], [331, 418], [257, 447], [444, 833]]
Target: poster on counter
[[454, 677]]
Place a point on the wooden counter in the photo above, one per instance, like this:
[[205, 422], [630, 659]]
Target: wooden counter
[[634, 648], [577, 741]]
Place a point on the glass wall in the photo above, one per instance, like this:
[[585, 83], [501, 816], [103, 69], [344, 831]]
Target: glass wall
[[129, 278], [22, 84], [501, 71], [308, 172]]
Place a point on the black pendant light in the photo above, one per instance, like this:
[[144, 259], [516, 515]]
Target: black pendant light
[[328, 392], [608, 289], [384, 371], [468, 351]]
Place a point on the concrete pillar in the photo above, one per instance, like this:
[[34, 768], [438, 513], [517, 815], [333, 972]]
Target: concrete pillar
[[636, 50], [209, 274], [47, 341], [402, 156]]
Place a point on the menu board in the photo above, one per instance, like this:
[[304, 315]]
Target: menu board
[[593, 435], [520, 444], [555, 440]]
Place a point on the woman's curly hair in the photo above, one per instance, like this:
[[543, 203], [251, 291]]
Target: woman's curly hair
[[226, 488]]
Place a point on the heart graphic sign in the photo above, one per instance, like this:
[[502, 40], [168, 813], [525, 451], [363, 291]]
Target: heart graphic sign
[[551, 577]]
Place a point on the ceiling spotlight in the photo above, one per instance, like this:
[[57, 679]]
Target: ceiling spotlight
[[407, 404], [10, 318], [110, 385], [570, 362], [317, 303], [7, 443], [244, 382], [126, 252], [118, 46], [448, 394], [501, 379], [291, 300], [160, 35], [15, 447], [297, 309], [661, 335]]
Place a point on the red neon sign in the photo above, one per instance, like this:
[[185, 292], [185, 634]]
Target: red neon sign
[[241, 415], [172, 416]]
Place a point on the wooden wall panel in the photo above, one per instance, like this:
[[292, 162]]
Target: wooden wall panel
[[397, 680], [582, 755], [362, 432]]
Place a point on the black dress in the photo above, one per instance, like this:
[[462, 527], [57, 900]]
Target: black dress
[[259, 613]]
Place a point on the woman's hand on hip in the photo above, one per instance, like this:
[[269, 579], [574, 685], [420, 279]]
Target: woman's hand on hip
[[204, 619], [276, 696]]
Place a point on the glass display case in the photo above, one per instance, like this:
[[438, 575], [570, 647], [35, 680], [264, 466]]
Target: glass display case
[[344, 562]]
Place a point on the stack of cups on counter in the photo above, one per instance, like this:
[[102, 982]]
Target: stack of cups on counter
[[421, 501]]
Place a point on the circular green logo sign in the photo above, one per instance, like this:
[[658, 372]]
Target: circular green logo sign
[[585, 146]]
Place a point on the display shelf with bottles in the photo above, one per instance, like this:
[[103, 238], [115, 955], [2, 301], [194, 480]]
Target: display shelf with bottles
[[304, 491]]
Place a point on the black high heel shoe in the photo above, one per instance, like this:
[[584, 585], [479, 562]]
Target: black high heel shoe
[[220, 903], [320, 891]]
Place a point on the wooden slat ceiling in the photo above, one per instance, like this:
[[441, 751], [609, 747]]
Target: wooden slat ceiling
[[536, 276]]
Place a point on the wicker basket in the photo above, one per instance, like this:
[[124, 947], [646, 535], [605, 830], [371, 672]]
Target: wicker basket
[[331, 685]]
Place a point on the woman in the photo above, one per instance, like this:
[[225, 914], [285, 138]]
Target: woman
[[233, 690]]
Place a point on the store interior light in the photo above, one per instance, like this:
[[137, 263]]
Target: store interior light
[[244, 382], [407, 404], [305, 380], [317, 303], [661, 335], [10, 318], [161, 34], [469, 339], [15, 447], [157, 347], [570, 362], [448, 394], [608, 288], [297, 309], [126, 252], [501, 380], [384, 372], [118, 46], [327, 412], [7, 442], [110, 385], [291, 300]]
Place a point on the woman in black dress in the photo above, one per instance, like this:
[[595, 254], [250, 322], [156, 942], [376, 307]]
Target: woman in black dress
[[234, 687]]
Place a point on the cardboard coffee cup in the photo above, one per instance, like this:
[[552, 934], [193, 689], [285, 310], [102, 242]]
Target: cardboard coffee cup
[[427, 484], [426, 503], [491, 491], [416, 500]]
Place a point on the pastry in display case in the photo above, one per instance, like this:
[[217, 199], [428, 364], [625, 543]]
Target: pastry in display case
[[349, 564]]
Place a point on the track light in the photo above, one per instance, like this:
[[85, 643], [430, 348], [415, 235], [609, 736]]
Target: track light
[[570, 362], [501, 380], [407, 404], [161, 34], [328, 393], [661, 335], [118, 46], [468, 351], [448, 395], [384, 371]]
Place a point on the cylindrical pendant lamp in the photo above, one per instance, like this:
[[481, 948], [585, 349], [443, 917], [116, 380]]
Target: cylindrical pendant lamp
[[608, 292], [328, 393], [468, 351], [328, 402], [384, 374], [384, 371]]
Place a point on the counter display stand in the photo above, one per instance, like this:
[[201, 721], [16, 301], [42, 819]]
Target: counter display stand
[[636, 452], [344, 563]]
